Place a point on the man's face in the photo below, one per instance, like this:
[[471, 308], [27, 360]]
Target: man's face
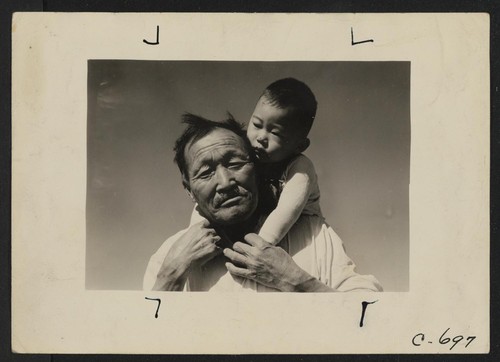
[[221, 177]]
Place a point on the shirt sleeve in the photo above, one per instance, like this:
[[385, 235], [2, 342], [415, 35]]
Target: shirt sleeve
[[294, 196], [156, 261], [319, 251], [341, 274]]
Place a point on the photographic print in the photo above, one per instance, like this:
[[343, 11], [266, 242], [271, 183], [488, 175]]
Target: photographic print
[[203, 183]]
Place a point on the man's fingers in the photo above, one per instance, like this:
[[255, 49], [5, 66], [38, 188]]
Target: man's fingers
[[211, 232], [241, 272], [242, 248], [255, 240], [210, 255], [204, 227], [235, 257]]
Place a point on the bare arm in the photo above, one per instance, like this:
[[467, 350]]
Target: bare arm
[[292, 201]]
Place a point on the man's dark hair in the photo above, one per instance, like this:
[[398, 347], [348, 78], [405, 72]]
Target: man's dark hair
[[296, 95], [197, 128]]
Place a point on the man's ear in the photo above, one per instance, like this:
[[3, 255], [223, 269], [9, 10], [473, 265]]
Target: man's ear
[[303, 145], [187, 188], [190, 194]]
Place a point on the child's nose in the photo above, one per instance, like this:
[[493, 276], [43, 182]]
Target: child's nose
[[262, 139]]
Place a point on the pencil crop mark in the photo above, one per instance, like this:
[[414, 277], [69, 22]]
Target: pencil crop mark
[[358, 42], [157, 37], [364, 305], [158, 307]]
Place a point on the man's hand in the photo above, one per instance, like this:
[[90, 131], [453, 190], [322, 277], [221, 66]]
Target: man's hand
[[266, 264], [197, 246]]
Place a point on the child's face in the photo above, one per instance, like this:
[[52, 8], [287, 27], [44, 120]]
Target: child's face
[[273, 134]]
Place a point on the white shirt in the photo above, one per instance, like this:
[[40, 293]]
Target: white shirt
[[313, 245]]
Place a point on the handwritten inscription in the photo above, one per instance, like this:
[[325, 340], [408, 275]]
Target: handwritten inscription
[[419, 339]]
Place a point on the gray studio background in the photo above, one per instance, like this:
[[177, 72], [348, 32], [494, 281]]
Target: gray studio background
[[360, 145]]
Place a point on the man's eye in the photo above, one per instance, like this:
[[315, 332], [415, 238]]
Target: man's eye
[[205, 174], [237, 165]]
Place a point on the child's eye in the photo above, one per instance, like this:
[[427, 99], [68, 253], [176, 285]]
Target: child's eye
[[276, 133], [257, 125]]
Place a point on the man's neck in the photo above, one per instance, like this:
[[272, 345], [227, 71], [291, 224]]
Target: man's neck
[[233, 233]]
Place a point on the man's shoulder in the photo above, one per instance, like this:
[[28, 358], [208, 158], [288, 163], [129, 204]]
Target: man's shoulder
[[157, 259], [167, 244]]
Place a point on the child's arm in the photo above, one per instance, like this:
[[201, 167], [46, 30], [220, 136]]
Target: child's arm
[[292, 200]]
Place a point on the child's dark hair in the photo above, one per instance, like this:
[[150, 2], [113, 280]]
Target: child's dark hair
[[294, 94]]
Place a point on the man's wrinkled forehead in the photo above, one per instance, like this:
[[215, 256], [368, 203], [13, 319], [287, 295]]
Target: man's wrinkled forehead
[[217, 143]]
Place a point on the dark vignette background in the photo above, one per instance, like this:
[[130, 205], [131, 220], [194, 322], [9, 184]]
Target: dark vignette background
[[360, 145]]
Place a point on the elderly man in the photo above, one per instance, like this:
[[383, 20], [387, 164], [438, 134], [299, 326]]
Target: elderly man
[[218, 172]]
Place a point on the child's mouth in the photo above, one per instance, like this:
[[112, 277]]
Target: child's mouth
[[260, 154]]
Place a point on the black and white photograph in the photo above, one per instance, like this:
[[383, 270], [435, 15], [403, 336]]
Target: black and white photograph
[[290, 176]]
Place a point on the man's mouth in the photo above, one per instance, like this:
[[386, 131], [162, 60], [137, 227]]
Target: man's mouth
[[231, 201]]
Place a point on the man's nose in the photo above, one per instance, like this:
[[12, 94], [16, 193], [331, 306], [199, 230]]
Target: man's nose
[[225, 178]]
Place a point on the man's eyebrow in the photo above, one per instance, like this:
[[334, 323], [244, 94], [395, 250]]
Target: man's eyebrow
[[238, 153], [197, 168]]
